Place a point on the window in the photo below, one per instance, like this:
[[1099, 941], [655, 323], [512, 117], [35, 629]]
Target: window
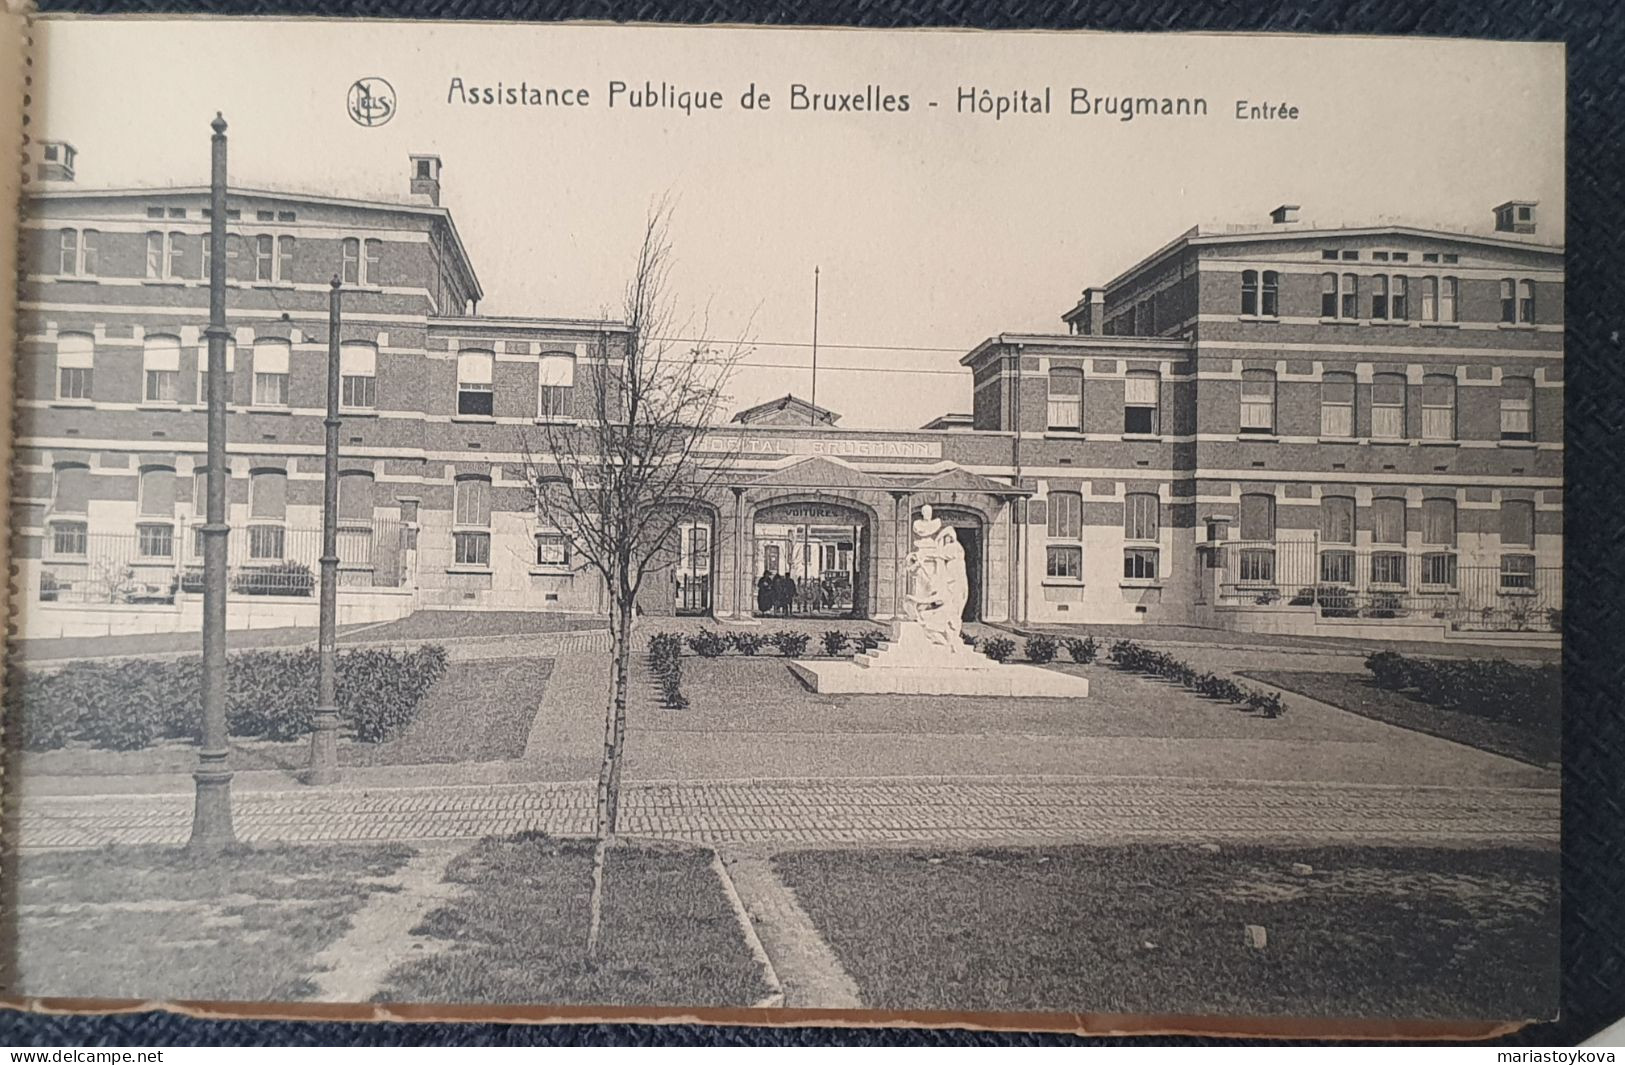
[[1517, 523], [1140, 516], [1351, 256], [1257, 401], [1337, 567], [271, 373], [471, 521], [1065, 515], [1509, 301], [1379, 256], [474, 390], [90, 262], [1430, 299], [70, 490], [284, 259], [1140, 563], [1439, 522], [75, 366], [1379, 297], [1451, 257], [68, 261], [68, 538], [174, 255], [1439, 569], [1141, 389], [1398, 302], [1064, 563], [350, 261], [155, 256], [1066, 400], [358, 370], [1447, 299], [206, 256], [161, 364], [1526, 302], [1388, 406], [1388, 521], [1257, 516], [266, 543], [1350, 295], [203, 372], [1388, 567], [1337, 519], [1337, 405], [155, 541], [1271, 305], [268, 495], [1249, 292], [1518, 408], [556, 378], [1328, 295], [1328, 253], [1430, 256], [200, 492], [1438, 407], [1257, 565], [355, 519], [1517, 572], [552, 549], [372, 272], [157, 492], [264, 257]]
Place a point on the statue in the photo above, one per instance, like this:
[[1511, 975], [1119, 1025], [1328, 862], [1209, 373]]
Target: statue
[[937, 583]]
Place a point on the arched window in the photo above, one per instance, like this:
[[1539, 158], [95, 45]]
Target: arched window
[[471, 522], [1066, 400], [371, 271], [75, 366], [475, 392], [155, 256], [264, 257], [1388, 406], [1249, 292], [1447, 299], [68, 259], [556, 378], [70, 489], [1270, 305], [175, 255], [1258, 401], [1430, 299], [1337, 404], [358, 375], [203, 371], [161, 369], [271, 358], [1439, 407], [284, 259]]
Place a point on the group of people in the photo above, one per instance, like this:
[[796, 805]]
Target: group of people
[[779, 594]]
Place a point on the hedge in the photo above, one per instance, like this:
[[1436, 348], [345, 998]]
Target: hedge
[[270, 695], [1486, 687], [1138, 658]]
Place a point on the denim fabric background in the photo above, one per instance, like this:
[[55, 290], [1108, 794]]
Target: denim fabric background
[[1594, 739]]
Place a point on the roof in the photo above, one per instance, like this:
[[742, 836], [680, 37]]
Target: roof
[[1122, 347], [788, 401], [440, 214], [952, 420]]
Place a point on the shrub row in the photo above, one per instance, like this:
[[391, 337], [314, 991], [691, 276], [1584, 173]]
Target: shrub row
[[1137, 658], [708, 644], [270, 695], [666, 662], [1486, 687], [1039, 648]]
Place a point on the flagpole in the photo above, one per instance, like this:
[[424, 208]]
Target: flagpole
[[812, 415]]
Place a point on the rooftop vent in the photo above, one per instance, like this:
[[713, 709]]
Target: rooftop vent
[[426, 178], [56, 161], [1516, 216], [1287, 212]]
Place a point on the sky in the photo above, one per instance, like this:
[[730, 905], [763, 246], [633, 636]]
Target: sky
[[932, 229]]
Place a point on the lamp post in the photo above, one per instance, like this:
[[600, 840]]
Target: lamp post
[[211, 817], [324, 735]]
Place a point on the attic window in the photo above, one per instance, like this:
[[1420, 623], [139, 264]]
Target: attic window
[[1328, 253], [1380, 256], [177, 212], [265, 216], [423, 168], [1430, 256], [155, 212], [1402, 256], [1450, 257], [1351, 256], [284, 216], [50, 153]]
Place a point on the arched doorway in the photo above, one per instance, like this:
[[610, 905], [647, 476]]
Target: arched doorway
[[970, 528], [810, 558]]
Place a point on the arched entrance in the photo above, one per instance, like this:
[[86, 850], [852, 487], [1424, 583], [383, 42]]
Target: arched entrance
[[971, 531], [810, 558]]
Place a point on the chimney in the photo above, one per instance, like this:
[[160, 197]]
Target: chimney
[[1287, 212], [426, 178], [56, 161], [1516, 216], [1094, 322]]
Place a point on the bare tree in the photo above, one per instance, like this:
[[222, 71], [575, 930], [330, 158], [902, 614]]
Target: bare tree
[[618, 483]]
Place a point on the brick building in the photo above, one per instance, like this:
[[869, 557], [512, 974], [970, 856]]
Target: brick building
[[1277, 427]]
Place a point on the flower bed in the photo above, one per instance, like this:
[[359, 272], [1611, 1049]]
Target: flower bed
[[1502, 691], [1137, 658], [271, 695]]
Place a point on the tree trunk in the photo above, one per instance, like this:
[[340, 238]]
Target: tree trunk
[[609, 771]]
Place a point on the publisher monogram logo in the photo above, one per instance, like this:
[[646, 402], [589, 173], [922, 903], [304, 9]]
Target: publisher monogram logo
[[371, 102]]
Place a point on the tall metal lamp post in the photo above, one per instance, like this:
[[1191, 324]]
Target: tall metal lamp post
[[211, 818], [324, 735]]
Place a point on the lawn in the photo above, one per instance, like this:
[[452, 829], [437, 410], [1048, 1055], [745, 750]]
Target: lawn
[[518, 930], [1359, 694], [478, 712], [151, 922], [1403, 932]]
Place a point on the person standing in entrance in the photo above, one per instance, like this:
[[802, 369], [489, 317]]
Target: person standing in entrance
[[764, 593]]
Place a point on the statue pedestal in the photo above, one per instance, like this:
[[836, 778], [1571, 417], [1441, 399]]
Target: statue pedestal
[[911, 663]]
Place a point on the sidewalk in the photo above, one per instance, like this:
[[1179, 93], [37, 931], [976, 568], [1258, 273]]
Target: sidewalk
[[1000, 810]]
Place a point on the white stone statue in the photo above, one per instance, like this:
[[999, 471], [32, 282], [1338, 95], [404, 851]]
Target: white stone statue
[[937, 584]]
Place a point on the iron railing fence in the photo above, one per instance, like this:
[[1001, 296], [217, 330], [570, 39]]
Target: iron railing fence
[[1515, 594], [162, 562]]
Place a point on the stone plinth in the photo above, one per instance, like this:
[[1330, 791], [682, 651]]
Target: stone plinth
[[910, 664]]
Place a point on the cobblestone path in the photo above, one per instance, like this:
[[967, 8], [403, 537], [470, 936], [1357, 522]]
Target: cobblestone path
[[788, 813]]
